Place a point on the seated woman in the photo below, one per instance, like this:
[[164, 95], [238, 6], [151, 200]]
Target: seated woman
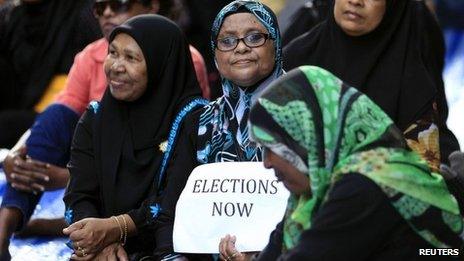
[[246, 45], [39, 163], [120, 144], [393, 51], [357, 191]]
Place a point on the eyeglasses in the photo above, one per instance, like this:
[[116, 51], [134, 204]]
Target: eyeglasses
[[115, 5], [252, 40]]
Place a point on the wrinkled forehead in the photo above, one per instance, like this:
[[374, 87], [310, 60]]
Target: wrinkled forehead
[[243, 22]]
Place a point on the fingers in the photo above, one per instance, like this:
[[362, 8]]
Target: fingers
[[33, 173], [37, 163], [223, 247], [22, 151], [25, 188], [27, 167], [81, 257], [121, 254], [74, 227], [77, 235], [113, 256], [26, 181], [77, 244], [24, 176], [10, 164], [227, 250]]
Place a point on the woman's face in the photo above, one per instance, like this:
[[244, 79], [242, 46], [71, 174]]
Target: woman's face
[[243, 65], [359, 17], [294, 180], [125, 69]]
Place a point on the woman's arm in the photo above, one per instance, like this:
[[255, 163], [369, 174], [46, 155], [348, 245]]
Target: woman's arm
[[82, 194], [354, 223], [182, 163]]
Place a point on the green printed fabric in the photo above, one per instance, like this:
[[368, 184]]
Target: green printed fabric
[[327, 129]]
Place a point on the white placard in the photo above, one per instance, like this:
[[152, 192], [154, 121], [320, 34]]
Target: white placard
[[238, 198]]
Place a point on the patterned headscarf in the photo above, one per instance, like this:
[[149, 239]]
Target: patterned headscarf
[[326, 129], [223, 130]]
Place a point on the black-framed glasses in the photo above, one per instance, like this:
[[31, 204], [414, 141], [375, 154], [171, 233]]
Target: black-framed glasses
[[116, 6], [252, 40]]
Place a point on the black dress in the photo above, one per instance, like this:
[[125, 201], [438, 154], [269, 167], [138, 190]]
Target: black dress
[[357, 222], [117, 150], [182, 163], [89, 186]]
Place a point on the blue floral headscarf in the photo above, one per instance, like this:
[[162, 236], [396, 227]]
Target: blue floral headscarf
[[223, 130]]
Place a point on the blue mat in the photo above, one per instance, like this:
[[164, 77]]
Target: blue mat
[[40, 248]]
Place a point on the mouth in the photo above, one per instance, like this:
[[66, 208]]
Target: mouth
[[242, 62], [108, 26], [117, 83], [351, 15]]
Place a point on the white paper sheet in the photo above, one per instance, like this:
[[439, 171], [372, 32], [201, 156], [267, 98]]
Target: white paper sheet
[[238, 198]]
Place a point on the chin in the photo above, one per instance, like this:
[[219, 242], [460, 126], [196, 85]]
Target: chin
[[245, 80], [118, 95]]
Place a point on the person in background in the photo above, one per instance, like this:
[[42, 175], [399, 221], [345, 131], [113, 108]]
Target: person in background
[[246, 44], [119, 145], [37, 162], [357, 191], [299, 17], [198, 20], [394, 52], [38, 41]]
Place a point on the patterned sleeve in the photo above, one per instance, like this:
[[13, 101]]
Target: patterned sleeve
[[423, 137]]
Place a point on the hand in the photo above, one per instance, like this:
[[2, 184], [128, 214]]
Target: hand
[[30, 175], [8, 163], [91, 235], [228, 252], [112, 252]]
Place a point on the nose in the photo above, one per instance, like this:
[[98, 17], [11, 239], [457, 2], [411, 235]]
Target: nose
[[107, 12], [356, 2], [242, 47], [118, 66]]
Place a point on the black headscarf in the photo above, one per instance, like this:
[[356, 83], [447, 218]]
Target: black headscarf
[[129, 133], [398, 65], [38, 41]]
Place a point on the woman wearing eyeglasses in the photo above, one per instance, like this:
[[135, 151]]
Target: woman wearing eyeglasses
[[247, 50]]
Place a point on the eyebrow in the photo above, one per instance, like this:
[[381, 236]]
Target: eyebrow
[[128, 51], [248, 30], [125, 50]]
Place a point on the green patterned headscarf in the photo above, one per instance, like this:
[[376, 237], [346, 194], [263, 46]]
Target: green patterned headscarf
[[327, 129]]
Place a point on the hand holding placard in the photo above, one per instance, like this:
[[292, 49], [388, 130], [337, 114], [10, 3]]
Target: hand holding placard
[[240, 198]]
